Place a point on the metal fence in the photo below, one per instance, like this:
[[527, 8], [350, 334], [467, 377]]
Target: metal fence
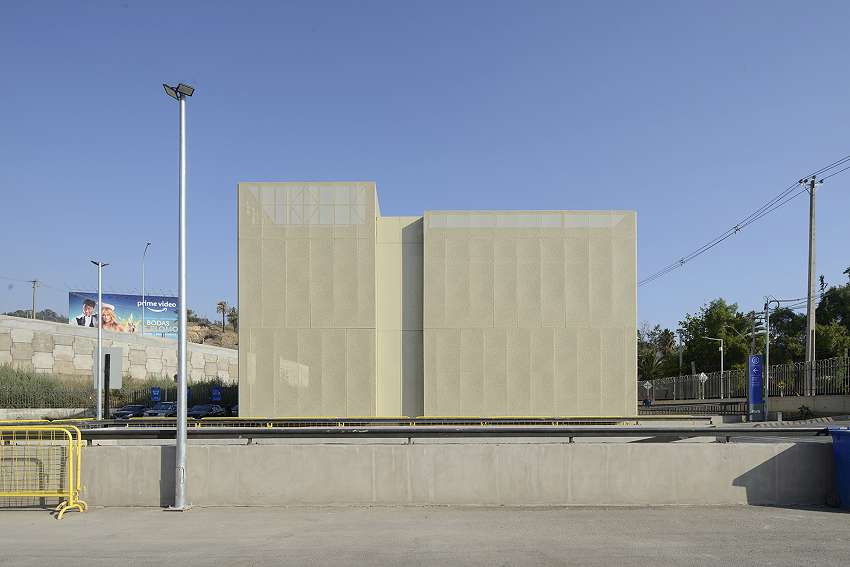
[[698, 408], [41, 462], [827, 377], [72, 395]]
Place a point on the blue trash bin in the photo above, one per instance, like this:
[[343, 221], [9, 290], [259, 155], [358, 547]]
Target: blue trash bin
[[841, 449]]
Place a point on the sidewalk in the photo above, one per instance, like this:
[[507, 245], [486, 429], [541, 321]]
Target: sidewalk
[[428, 536]]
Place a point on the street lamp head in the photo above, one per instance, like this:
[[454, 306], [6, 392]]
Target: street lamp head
[[185, 90], [171, 91]]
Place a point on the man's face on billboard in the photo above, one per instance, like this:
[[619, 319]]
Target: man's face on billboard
[[88, 309]]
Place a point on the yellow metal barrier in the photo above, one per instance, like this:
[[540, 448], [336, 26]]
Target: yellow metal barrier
[[42, 461]]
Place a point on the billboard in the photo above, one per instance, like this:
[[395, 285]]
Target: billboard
[[123, 313]]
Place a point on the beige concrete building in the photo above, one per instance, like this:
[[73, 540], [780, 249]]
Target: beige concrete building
[[346, 312]]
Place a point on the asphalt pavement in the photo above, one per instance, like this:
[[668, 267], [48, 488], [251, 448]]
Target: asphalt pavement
[[745, 535]]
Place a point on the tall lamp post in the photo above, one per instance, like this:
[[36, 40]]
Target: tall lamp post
[[180, 93], [721, 362], [767, 302], [147, 245], [98, 367]]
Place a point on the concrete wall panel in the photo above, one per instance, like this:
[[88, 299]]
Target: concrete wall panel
[[562, 288], [399, 316], [465, 472], [316, 273]]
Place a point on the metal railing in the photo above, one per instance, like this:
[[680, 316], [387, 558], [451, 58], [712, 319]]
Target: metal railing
[[830, 377], [710, 408], [660, 433], [42, 462]]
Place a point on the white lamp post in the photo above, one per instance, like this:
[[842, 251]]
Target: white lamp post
[[180, 93], [98, 368], [147, 245], [721, 362]]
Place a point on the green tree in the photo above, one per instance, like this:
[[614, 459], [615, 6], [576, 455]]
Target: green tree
[[721, 320], [834, 306], [221, 307], [43, 315], [656, 352], [831, 340], [233, 318], [787, 336]]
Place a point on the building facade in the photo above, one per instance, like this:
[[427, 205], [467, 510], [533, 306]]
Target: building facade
[[344, 312]]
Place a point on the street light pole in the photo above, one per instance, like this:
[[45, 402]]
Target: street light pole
[[767, 302], [721, 362], [98, 368], [180, 92], [147, 245]]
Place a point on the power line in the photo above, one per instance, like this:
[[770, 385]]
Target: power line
[[784, 197], [835, 173]]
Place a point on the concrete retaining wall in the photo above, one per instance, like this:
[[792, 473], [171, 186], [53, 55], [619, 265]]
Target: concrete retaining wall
[[821, 405], [464, 473], [63, 349], [41, 413]]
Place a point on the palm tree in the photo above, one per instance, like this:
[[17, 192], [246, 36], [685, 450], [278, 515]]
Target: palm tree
[[222, 308], [233, 318]]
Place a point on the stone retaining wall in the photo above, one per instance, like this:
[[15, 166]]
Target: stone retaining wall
[[68, 350]]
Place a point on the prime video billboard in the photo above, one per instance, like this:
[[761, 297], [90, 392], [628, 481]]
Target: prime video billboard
[[123, 313]]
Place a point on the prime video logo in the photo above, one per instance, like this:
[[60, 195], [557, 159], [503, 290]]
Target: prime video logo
[[157, 306]]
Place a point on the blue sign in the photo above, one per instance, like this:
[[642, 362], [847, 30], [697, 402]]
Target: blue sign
[[216, 394], [156, 394], [756, 390]]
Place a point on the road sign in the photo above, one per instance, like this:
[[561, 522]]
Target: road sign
[[703, 378], [756, 389], [647, 385], [216, 394], [156, 394]]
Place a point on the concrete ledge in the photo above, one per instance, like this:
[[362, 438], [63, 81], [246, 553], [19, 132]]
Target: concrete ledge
[[478, 474], [41, 413]]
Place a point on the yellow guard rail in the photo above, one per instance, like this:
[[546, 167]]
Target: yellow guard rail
[[42, 461]]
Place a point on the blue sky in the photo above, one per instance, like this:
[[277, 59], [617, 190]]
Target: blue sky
[[690, 113]]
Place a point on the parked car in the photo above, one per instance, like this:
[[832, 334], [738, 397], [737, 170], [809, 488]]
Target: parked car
[[129, 411], [205, 410], [163, 409]]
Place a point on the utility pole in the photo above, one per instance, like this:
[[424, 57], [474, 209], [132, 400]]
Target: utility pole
[[34, 285], [811, 185]]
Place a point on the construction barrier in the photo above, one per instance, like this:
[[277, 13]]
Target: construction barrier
[[42, 461]]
